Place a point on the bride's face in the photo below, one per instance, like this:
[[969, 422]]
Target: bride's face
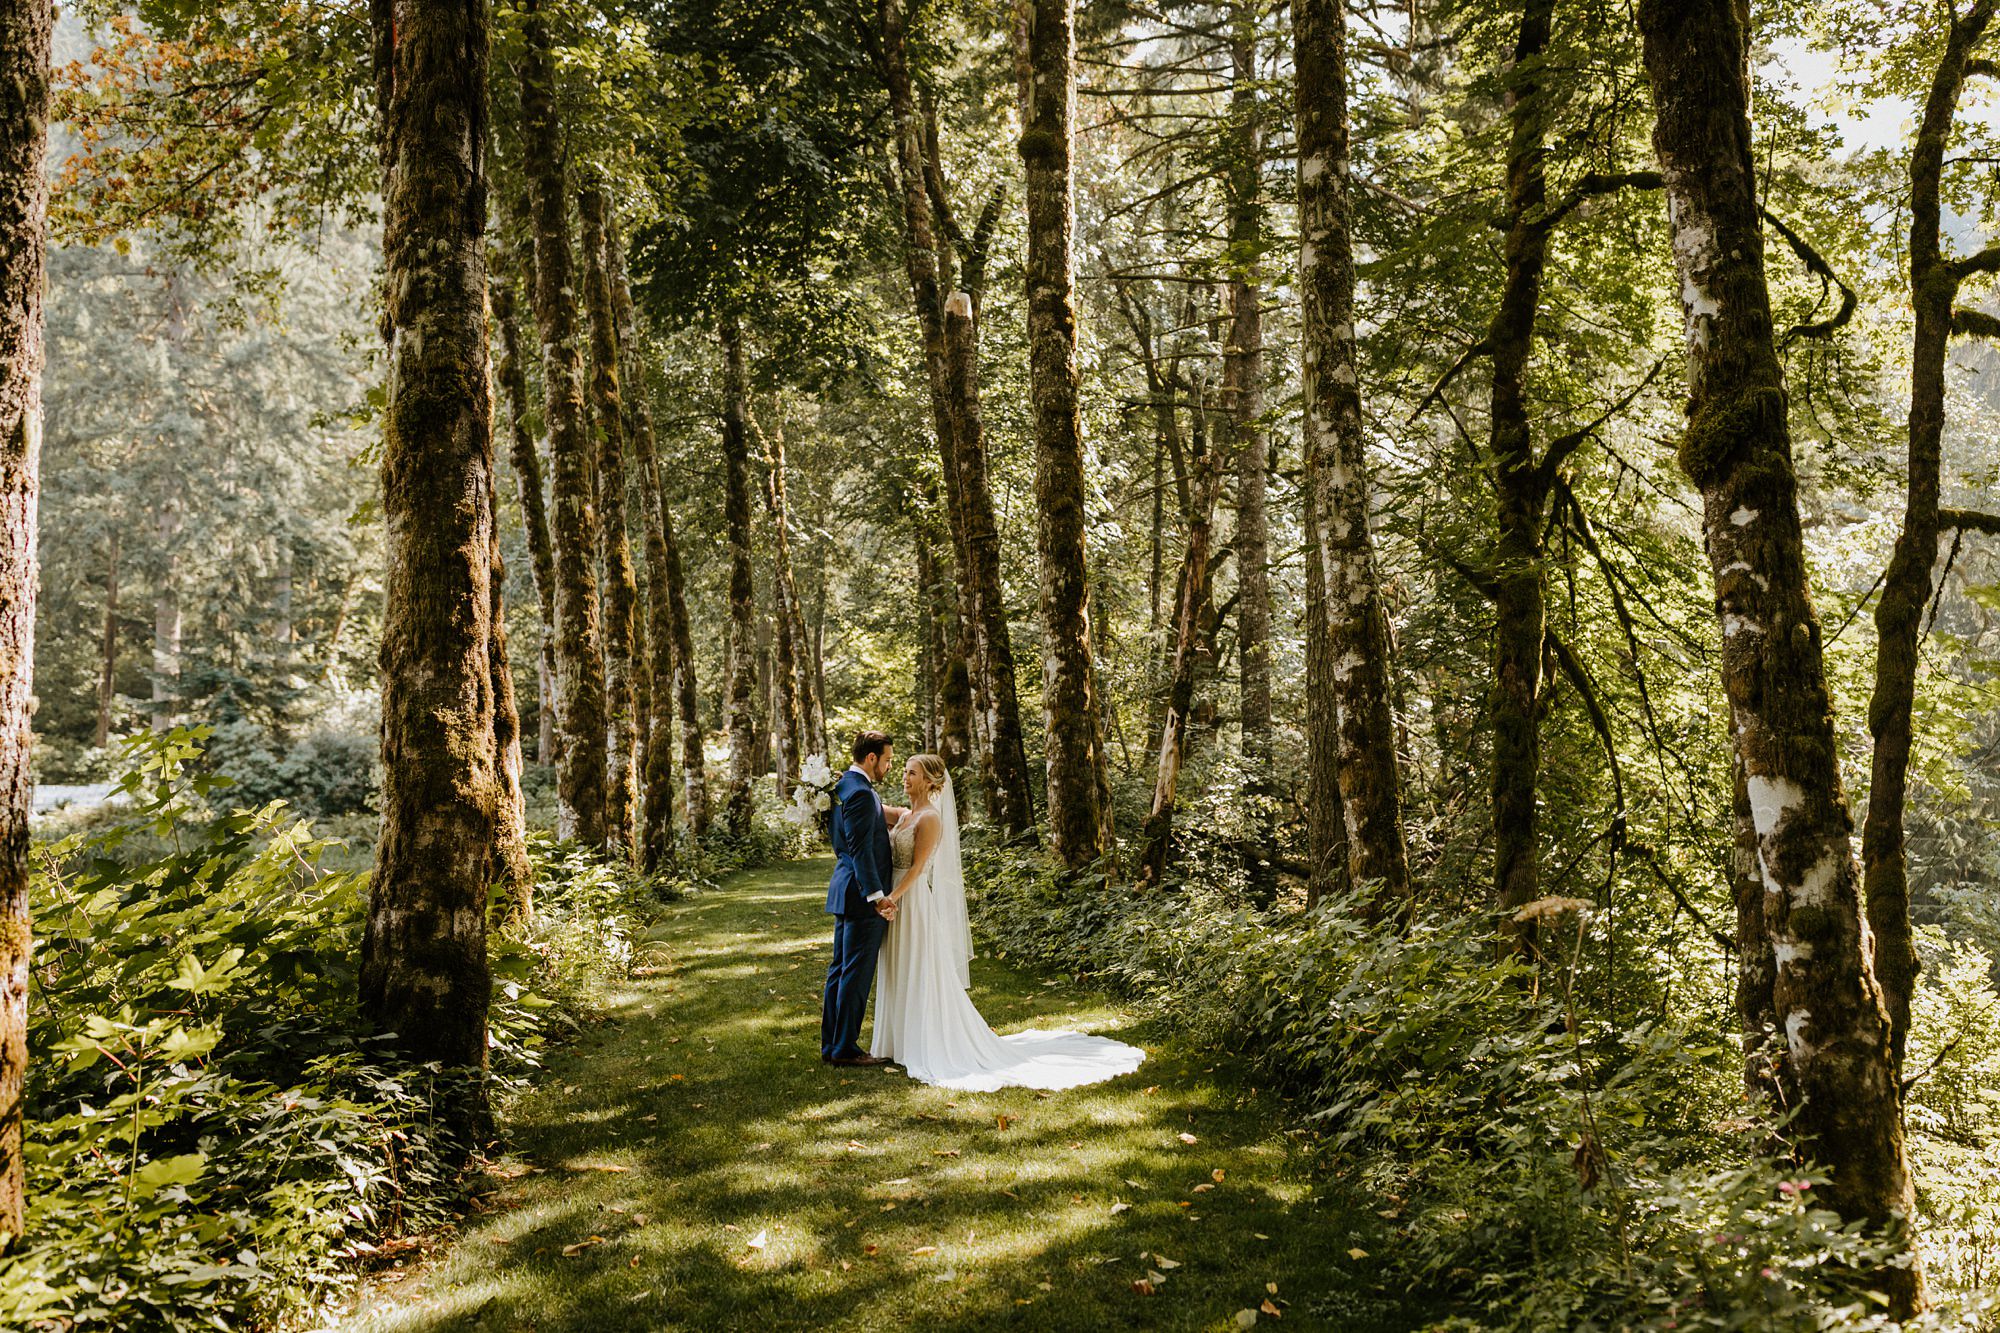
[[915, 785]]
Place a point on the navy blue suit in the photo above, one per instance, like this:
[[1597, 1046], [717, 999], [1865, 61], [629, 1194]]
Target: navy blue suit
[[863, 871]]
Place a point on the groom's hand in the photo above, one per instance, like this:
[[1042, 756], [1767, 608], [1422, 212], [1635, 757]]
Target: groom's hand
[[887, 907]]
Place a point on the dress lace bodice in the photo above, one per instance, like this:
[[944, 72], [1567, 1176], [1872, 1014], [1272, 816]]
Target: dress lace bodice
[[903, 843]]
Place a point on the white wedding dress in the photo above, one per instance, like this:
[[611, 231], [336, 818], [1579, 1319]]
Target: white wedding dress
[[925, 1021]]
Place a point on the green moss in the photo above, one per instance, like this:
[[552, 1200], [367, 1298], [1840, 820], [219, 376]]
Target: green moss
[[1718, 433], [1041, 148]]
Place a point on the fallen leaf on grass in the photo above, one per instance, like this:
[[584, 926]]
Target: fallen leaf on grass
[[1260, 1235], [1202, 1188], [760, 1240], [1246, 1318], [845, 1266], [1143, 1287], [871, 1250], [1165, 1262], [1272, 1310], [1216, 1175], [1357, 1254], [498, 1240], [600, 1166], [1157, 1279], [1002, 1121], [571, 1251], [944, 1152], [1188, 1138], [856, 1143], [924, 1249], [1271, 1287], [1118, 1208], [1045, 1286]]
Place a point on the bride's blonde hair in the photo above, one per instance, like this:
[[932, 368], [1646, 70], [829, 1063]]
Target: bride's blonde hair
[[933, 768]]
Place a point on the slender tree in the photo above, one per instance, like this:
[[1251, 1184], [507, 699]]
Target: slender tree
[[614, 546], [1079, 814], [787, 686], [581, 763], [1352, 732], [742, 722], [1836, 1063], [525, 456], [107, 675], [26, 31], [423, 966], [1935, 277], [1243, 392]]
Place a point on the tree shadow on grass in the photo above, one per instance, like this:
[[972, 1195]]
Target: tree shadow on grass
[[698, 1168]]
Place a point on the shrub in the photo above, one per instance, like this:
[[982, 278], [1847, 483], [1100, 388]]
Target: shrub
[[213, 1137], [1539, 1167]]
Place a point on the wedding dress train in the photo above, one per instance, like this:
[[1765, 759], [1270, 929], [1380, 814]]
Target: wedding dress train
[[924, 1019]]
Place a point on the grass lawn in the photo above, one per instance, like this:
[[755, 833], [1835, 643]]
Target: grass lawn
[[692, 1164]]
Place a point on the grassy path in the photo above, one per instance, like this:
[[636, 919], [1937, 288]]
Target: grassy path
[[693, 1165]]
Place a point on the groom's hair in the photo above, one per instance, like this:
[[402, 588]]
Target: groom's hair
[[871, 742]]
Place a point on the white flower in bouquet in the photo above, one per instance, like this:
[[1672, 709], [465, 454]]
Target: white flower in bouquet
[[816, 772]]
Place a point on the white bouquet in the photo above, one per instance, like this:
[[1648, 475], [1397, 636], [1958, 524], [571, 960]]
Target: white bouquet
[[812, 795]]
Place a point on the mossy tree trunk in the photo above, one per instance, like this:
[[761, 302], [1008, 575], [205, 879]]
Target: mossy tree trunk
[[669, 643], [423, 963], [1355, 785], [614, 544], [787, 687], [1906, 588], [1079, 815], [26, 31], [742, 668], [1836, 1064], [581, 761], [526, 459], [1243, 392]]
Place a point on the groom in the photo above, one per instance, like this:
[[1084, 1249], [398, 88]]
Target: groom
[[858, 898]]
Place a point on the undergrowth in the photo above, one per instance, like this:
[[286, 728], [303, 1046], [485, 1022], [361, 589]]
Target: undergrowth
[[1548, 1167], [213, 1137]]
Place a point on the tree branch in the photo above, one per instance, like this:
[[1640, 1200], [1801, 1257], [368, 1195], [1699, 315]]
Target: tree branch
[[1479, 348], [1563, 446], [1592, 185], [1815, 264], [1974, 324], [1969, 520]]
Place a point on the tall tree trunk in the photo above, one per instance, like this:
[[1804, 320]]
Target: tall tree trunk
[[1079, 819], [1243, 387], [742, 668], [669, 643], [26, 28], [621, 589], [1737, 451], [1519, 595], [1157, 836], [423, 960], [1009, 798], [167, 523], [785, 684], [514, 872], [513, 376], [1350, 721], [1906, 588], [107, 674], [581, 762]]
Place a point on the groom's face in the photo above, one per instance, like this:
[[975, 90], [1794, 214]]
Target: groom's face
[[877, 764]]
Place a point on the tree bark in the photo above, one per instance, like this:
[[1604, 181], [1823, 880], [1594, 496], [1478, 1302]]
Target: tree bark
[[515, 873], [107, 676], [787, 716], [669, 643], [26, 32], [1837, 1062], [742, 722], [513, 376], [1009, 793], [1157, 836], [1243, 389], [1079, 819], [614, 545], [423, 963], [1906, 588], [1350, 718], [581, 763]]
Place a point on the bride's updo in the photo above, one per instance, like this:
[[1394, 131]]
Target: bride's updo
[[933, 770]]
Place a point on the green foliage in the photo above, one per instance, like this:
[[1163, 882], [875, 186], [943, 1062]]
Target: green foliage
[[1547, 1169], [213, 1136]]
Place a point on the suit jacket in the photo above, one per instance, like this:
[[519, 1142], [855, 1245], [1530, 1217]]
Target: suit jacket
[[862, 866]]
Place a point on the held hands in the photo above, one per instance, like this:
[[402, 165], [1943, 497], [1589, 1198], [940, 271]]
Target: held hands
[[887, 908]]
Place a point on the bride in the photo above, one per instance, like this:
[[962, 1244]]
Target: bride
[[924, 1020]]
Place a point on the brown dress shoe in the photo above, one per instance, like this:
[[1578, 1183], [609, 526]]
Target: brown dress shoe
[[861, 1061]]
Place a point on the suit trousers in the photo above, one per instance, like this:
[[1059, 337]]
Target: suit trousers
[[857, 943]]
